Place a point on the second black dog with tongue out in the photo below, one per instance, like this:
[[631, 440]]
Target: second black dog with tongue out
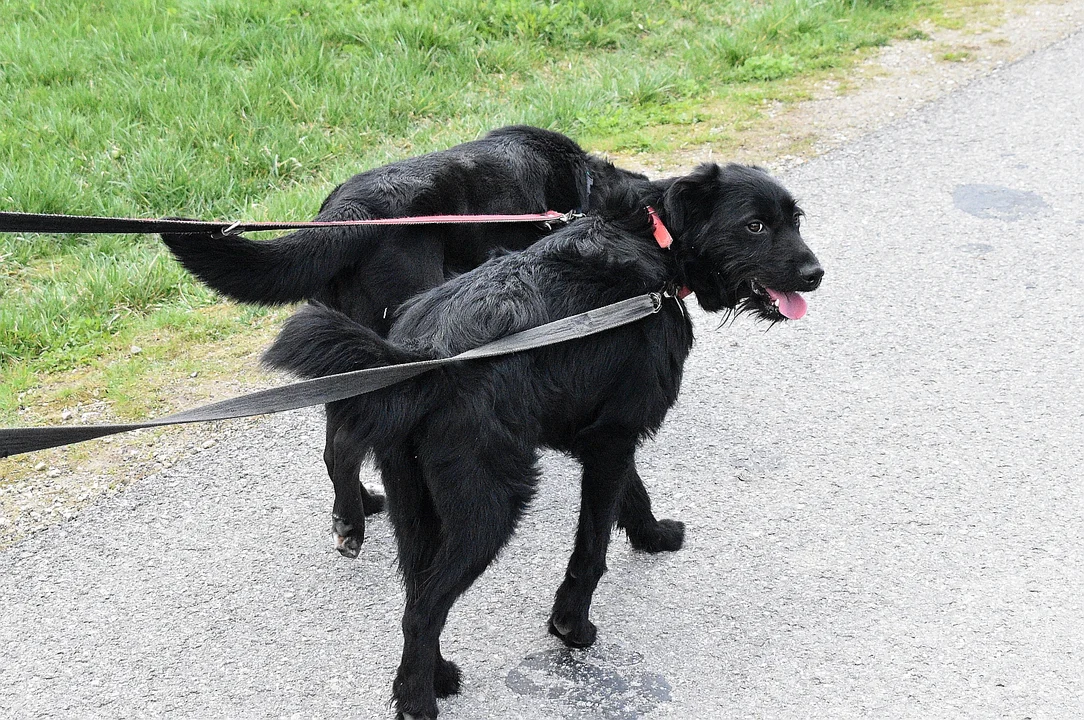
[[458, 447]]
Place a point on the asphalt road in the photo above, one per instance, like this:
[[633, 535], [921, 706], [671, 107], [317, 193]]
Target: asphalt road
[[883, 500]]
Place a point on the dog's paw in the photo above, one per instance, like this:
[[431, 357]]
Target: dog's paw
[[446, 678], [574, 634], [348, 547], [663, 536], [412, 700], [347, 538], [372, 502]]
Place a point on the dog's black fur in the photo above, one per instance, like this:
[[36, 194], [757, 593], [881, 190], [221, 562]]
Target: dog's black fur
[[367, 272], [458, 446]]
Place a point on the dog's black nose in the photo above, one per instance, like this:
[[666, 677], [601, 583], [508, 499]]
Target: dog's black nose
[[811, 275]]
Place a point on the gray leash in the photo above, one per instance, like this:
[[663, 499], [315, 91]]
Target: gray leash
[[323, 390]]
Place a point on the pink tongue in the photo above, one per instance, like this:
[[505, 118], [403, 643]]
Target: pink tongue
[[791, 304]]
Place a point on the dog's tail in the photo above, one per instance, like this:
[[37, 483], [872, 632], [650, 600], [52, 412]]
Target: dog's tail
[[286, 269], [319, 341]]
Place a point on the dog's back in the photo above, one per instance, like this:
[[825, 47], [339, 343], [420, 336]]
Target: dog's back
[[367, 272]]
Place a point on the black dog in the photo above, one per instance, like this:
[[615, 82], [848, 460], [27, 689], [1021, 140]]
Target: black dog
[[366, 273], [458, 446]]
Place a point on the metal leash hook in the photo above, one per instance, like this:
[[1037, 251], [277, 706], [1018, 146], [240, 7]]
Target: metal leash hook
[[564, 219], [673, 291], [226, 232]]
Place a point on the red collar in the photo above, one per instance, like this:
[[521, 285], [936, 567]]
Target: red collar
[[665, 240], [662, 235]]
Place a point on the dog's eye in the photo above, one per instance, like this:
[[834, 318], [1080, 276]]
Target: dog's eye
[[756, 227], [797, 219]]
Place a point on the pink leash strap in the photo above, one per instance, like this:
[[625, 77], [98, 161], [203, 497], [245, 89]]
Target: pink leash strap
[[47, 223], [548, 216]]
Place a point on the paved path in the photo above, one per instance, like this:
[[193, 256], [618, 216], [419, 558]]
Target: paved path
[[884, 501]]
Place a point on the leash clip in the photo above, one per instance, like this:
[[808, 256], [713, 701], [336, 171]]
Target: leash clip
[[672, 291], [565, 219], [226, 232]]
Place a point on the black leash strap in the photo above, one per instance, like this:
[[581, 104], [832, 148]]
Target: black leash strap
[[11, 222], [15, 441]]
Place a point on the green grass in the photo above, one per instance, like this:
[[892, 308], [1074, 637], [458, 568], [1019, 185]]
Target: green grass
[[256, 108], [956, 56]]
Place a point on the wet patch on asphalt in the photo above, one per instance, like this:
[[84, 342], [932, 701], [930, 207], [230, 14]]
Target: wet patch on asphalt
[[607, 682], [993, 202]]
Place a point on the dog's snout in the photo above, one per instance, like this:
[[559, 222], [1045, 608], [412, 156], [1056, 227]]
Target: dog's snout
[[811, 275]]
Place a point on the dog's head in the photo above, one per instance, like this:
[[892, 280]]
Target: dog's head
[[736, 232]]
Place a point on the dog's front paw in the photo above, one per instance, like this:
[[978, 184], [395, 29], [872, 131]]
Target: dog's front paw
[[348, 539], [574, 634], [663, 536], [413, 699]]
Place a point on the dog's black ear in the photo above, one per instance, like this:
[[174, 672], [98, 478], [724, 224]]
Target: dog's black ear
[[690, 199]]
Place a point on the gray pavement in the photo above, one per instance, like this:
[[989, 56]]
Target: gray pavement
[[883, 500]]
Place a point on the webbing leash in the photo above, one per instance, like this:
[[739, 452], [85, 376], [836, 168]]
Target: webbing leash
[[319, 391], [12, 222]]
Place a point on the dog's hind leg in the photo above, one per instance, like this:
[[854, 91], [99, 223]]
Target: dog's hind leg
[[477, 509], [644, 531], [343, 456], [406, 264], [417, 530], [607, 465]]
